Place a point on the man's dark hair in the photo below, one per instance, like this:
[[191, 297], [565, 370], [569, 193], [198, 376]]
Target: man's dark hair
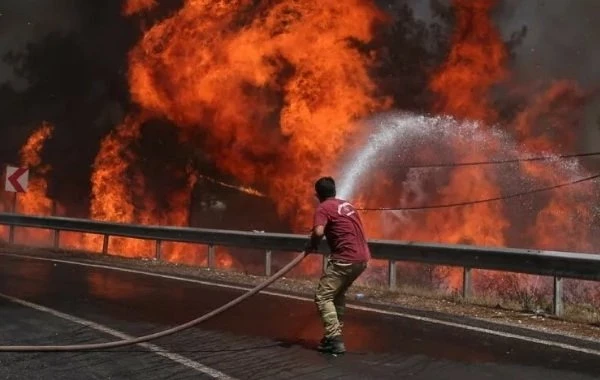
[[325, 188]]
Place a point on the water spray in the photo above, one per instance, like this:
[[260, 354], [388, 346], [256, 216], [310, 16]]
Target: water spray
[[406, 132]]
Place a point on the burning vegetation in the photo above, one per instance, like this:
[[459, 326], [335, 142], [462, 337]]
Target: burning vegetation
[[271, 94]]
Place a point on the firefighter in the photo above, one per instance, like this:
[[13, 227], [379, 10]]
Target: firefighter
[[338, 221]]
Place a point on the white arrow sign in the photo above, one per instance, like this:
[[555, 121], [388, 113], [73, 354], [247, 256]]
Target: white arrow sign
[[17, 179]]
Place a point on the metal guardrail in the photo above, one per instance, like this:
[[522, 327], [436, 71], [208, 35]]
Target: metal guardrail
[[559, 265]]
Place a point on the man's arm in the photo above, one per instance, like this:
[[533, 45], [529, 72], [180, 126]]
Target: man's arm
[[315, 238], [318, 231]]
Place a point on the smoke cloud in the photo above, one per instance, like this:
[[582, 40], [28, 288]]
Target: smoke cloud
[[561, 41], [28, 21]]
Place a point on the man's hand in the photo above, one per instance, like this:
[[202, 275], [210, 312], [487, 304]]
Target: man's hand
[[315, 238]]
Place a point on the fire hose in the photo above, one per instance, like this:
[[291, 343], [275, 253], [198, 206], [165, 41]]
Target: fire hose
[[160, 334]]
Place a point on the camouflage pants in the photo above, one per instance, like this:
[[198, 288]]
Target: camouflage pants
[[330, 296]]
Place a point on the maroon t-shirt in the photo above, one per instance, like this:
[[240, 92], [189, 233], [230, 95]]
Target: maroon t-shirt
[[343, 230]]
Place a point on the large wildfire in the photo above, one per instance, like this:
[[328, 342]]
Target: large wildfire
[[273, 91]]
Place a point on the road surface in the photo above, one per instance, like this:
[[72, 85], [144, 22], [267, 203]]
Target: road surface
[[267, 337]]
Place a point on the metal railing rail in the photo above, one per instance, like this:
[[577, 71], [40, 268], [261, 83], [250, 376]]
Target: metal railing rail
[[558, 265]]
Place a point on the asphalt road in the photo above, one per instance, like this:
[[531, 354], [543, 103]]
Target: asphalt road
[[266, 337]]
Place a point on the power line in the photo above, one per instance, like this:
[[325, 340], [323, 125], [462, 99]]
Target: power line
[[468, 203], [496, 162]]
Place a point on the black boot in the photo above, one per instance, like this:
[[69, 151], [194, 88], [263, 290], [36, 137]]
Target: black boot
[[337, 345], [333, 345], [324, 344]]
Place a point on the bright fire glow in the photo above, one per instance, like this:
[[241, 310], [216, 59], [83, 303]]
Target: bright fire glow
[[276, 88]]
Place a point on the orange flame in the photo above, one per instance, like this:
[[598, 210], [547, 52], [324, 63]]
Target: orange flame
[[111, 190], [549, 124], [116, 185], [461, 85], [132, 7], [277, 88], [475, 63], [35, 200], [278, 94], [111, 195]]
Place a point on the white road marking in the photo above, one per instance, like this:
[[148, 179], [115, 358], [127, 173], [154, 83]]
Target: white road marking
[[351, 306], [107, 330]]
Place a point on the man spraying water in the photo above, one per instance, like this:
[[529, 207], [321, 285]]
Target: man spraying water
[[339, 222]]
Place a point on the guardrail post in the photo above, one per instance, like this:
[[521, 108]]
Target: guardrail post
[[11, 230], [268, 255], [211, 256], [467, 283], [105, 245], [392, 274], [558, 305], [56, 239], [158, 249]]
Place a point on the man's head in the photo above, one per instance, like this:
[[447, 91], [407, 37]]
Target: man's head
[[325, 188]]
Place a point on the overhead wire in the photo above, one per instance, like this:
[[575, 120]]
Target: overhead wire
[[495, 162], [487, 200]]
